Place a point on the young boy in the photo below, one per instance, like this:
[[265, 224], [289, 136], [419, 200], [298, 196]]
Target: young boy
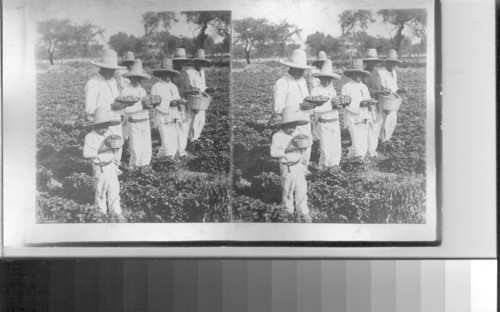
[[292, 163], [104, 164], [357, 117], [328, 126], [168, 117], [138, 118]]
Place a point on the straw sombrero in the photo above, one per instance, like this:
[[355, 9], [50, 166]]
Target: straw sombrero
[[298, 60], [167, 66], [392, 56], [180, 55], [136, 71], [128, 59], [371, 55], [108, 60], [321, 59], [289, 118], [102, 116], [326, 71], [356, 67], [199, 56]]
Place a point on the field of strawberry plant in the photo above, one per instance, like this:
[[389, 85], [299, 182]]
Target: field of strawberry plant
[[390, 189], [195, 189]]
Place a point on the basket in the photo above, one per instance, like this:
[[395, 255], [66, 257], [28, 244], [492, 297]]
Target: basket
[[127, 100], [113, 141], [317, 100], [199, 101], [390, 102], [301, 141], [151, 101]]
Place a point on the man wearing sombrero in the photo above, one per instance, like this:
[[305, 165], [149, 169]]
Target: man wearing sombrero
[[375, 88], [318, 64], [357, 115], [102, 90], [292, 163], [291, 89], [138, 118], [127, 62]]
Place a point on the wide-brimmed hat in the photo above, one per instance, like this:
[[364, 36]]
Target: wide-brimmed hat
[[109, 60], [136, 71], [289, 118], [167, 66], [321, 59], [180, 55], [326, 71], [356, 67], [298, 60], [128, 59], [392, 56], [371, 55], [199, 56], [102, 116]]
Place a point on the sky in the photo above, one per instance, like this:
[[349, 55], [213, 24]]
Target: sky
[[309, 15]]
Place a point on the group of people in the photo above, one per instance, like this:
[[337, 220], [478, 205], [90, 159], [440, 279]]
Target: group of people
[[366, 122], [177, 123]]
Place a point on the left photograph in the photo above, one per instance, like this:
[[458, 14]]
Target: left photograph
[[133, 122]]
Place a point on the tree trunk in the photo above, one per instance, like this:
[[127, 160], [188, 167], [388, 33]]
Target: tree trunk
[[51, 58], [398, 38], [202, 37], [247, 54]]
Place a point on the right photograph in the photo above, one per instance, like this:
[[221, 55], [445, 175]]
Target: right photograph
[[332, 108]]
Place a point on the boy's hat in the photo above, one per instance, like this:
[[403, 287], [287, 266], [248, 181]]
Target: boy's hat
[[167, 66], [321, 59], [327, 71], [199, 56], [108, 60], [180, 55], [136, 71], [392, 55], [128, 59], [298, 60], [289, 118], [371, 55], [102, 116], [356, 67]]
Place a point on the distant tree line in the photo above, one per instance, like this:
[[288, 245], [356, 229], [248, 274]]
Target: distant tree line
[[257, 37], [64, 39]]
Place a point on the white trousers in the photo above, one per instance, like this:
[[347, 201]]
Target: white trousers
[[107, 188], [389, 125], [306, 129], [330, 143], [294, 183], [140, 144], [359, 140], [117, 130], [173, 139], [197, 124], [126, 130]]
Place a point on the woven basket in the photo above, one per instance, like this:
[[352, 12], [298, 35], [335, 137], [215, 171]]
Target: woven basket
[[390, 102], [114, 143], [301, 143], [199, 101]]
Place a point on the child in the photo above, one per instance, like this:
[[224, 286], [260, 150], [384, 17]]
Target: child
[[328, 126], [138, 118], [168, 117], [356, 117], [292, 163], [104, 164]]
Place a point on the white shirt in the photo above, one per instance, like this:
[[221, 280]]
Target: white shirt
[[195, 79], [389, 79], [358, 92], [280, 143], [289, 91], [136, 111], [99, 91], [325, 111], [168, 92], [93, 142], [121, 81]]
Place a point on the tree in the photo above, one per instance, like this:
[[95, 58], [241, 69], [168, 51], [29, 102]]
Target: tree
[[121, 43], [320, 42], [284, 34], [251, 32], [355, 20], [218, 20], [158, 21], [86, 36], [55, 34], [413, 19]]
